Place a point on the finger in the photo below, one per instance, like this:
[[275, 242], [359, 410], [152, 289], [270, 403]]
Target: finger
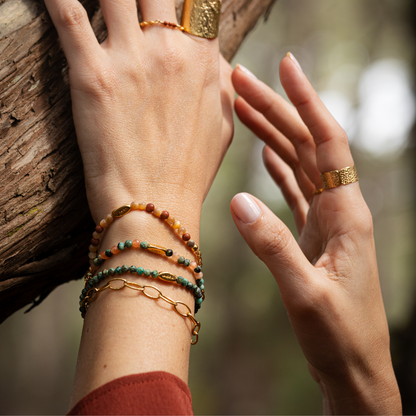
[[158, 10], [332, 148], [273, 243], [74, 29], [122, 20], [263, 129], [281, 115], [286, 181]]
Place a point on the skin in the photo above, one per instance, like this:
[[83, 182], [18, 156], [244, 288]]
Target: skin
[[153, 114], [328, 279]]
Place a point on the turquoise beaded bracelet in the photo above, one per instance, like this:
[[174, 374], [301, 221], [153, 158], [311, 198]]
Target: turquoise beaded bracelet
[[197, 289]]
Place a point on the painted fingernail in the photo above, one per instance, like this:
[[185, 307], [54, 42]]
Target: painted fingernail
[[294, 60], [246, 208], [246, 71]]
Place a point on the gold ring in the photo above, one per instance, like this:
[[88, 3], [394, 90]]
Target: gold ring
[[202, 18], [336, 178]]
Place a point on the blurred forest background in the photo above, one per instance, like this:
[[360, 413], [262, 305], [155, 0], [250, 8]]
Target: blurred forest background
[[359, 55]]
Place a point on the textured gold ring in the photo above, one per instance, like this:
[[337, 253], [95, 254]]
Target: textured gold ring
[[202, 18], [336, 178]]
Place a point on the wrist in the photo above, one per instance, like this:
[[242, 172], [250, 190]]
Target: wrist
[[361, 392]]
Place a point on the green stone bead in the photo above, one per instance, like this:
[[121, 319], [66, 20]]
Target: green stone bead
[[111, 272], [95, 279], [201, 281], [140, 271], [155, 273], [199, 301], [202, 287], [187, 262], [144, 245], [181, 260], [100, 275], [119, 270], [108, 253], [128, 243], [120, 246], [125, 268], [105, 272], [189, 285], [132, 269], [179, 279], [147, 272], [184, 282], [96, 261]]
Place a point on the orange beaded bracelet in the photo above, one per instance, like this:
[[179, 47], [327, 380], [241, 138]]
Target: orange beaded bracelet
[[150, 208]]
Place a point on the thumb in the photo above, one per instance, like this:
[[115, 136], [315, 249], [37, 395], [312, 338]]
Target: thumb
[[270, 239]]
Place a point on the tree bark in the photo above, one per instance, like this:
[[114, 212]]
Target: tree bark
[[45, 222]]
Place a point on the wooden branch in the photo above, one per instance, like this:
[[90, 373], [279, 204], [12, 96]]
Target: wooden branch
[[45, 222]]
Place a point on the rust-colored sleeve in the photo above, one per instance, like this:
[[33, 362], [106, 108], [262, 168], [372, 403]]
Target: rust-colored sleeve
[[155, 393]]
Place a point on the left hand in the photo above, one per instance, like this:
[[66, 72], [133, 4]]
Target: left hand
[[328, 280]]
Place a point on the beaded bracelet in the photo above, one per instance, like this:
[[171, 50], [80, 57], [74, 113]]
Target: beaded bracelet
[[197, 289], [93, 293], [118, 248], [150, 208]]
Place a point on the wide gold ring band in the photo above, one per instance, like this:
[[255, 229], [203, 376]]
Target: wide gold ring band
[[202, 18], [336, 178]]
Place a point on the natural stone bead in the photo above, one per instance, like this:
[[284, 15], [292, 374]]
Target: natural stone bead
[[134, 205], [176, 225], [140, 271], [169, 252], [144, 245], [187, 262], [109, 219], [95, 242], [164, 215], [193, 265], [199, 275], [136, 243], [128, 243], [181, 260], [142, 206], [125, 268], [93, 249], [115, 250], [120, 246], [197, 268], [181, 231], [119, 270], [171, 220], [99, 229], [103, 223], [186, 237], [108, 253], [190, 243], [157, 212], [92, 255], [103, 256], [146, 272], [150, 207], [96, 235]]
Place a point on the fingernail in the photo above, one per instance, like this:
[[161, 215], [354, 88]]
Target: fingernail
[[246, 208], [294, 60], [246, 71]]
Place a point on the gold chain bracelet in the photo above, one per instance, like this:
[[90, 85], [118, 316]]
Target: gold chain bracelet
[[93, 293]]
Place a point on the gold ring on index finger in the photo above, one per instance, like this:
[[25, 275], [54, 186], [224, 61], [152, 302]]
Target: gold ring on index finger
[[336, 178], [202, 18]]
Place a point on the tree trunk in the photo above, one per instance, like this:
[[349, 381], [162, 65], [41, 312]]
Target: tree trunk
[[45, 222]]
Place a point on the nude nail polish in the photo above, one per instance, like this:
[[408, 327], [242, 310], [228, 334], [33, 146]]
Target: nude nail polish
[[294, 60], [246, 208], [246, 71]]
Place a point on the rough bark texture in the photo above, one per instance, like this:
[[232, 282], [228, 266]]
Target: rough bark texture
[[45, 222]]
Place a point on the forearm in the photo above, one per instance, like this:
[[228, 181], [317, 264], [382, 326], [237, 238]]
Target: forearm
[[124, 331]]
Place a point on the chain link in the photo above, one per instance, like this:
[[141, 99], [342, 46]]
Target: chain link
[[93, 294]]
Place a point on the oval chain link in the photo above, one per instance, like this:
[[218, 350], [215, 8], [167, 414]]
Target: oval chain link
[[93, 293]]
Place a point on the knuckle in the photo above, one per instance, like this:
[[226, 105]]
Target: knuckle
[[274, 240], [72, 15]]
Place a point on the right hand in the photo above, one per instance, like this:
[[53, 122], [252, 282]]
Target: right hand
[[328, 280], [152, 107]]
